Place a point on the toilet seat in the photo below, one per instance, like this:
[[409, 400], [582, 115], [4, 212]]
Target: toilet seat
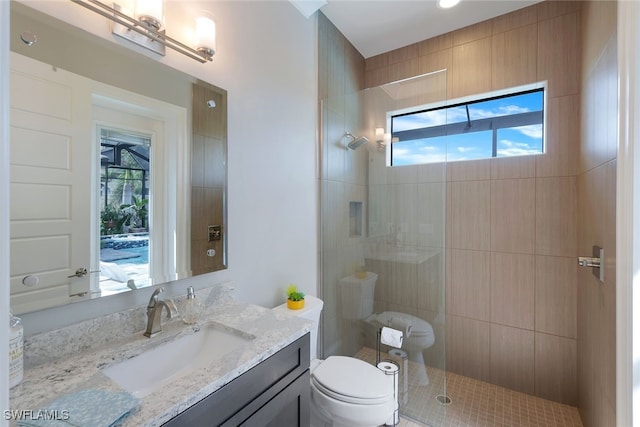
[[351, 380]]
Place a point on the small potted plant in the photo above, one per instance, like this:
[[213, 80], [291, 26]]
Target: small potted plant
[[295, 298]]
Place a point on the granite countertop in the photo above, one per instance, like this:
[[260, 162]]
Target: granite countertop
[[269, 332]]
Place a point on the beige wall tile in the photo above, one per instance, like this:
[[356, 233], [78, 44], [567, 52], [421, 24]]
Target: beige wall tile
[[563, 133], [516, 19], [555, 368], [555, 219], [431, 285], [434, 44], [378, 61], [599, 19], [472, 33], [198, 221], [551, 9], [468, 347], [469, 215], [556, 295], [470, 286], [197, 161], [611, 76], [377, 77], [513, 215], [591, 197], [214, 162], [434, 61], [471, 68], [512, 289], [512, 358], [404, 69], [513, 167], [514, 57], [404, 53], [469, 170], [558, 54]]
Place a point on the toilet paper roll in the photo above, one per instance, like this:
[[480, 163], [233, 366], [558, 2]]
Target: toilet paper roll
[[391, 370], [400, 324], [391, 337]]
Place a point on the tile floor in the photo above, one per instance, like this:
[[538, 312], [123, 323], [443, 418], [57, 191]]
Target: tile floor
[[473, 403]]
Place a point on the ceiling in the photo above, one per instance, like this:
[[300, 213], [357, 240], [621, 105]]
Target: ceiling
[[378, 26]]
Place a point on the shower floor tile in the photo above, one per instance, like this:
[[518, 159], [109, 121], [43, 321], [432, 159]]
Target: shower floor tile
[[473, 403]]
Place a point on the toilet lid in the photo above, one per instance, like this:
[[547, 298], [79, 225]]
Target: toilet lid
[[352, 380]]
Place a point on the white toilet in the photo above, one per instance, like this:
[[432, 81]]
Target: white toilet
[[357, 296], [345, 391]]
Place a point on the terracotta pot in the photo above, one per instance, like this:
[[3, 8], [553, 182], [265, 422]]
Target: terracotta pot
[[295, 305]]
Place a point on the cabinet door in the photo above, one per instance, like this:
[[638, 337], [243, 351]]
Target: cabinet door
[[289, 408], [261, 388]]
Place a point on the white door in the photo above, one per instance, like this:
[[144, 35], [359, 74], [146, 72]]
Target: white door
[[51, 149]]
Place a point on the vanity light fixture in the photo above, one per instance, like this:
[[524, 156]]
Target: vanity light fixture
[[146, 28]]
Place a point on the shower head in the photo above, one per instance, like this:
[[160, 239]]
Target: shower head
[[355, 142]]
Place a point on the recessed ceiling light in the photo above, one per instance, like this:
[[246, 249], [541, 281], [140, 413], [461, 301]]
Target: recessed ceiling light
[[446, 4]]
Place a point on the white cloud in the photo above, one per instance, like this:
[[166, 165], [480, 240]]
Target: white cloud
[[466, 149], [532, 131], [428, 154], [514, 148]]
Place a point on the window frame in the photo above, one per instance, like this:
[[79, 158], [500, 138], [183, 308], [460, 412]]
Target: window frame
[[504, 122]]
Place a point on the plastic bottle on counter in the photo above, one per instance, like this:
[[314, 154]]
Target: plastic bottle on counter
[[16, 364], [191, 308]]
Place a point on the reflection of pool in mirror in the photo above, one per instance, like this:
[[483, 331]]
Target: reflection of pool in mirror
[[124, 263]]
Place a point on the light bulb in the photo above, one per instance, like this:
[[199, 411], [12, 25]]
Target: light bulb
[[205, 35], [150, 13]]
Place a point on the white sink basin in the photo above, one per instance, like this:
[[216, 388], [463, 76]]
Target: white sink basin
[[143, 374]]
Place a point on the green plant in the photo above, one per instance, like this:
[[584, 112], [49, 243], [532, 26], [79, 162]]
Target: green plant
[[294, 294], [137, 211]]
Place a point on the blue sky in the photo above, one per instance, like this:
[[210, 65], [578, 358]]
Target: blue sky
[[518, 141]]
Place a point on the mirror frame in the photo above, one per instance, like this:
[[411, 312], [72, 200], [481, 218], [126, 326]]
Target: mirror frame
[[102, 68]]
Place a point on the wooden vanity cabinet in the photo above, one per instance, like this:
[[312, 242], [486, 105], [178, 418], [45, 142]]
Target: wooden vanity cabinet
[[273, 393]]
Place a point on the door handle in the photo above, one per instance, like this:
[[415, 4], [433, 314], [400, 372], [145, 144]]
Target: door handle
[[596, 262], [79, 272]]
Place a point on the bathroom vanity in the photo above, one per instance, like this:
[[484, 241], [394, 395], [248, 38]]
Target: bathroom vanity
[[273, 393], [260, 379]]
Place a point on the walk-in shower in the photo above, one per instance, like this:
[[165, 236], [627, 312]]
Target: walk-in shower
[[395, 262]]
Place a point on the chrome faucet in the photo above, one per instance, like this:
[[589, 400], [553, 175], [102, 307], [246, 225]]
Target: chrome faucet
[[154, 313]]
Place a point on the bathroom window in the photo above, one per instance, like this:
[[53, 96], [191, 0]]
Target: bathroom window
[[494, 125]]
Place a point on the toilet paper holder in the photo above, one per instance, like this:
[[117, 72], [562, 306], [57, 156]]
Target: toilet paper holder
[[379, 340]]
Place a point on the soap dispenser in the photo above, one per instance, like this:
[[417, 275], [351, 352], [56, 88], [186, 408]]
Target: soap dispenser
[[191, 308]]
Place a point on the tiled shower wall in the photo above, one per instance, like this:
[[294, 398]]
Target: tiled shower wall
[[511, 223], [208, 176], [596, 215]]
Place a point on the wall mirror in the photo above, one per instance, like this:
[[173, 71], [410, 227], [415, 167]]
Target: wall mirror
[[118, 168]]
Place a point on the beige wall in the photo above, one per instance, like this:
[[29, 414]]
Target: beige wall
[[596, 184], [511, 222]]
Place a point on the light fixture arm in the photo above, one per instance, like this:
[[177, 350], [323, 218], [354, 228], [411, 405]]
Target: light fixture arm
[[135, 25]]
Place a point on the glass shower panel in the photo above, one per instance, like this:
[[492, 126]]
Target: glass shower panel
[[391, 270]]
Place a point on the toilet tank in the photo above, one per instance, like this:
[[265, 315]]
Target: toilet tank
[[311, 311], [356, 295]]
